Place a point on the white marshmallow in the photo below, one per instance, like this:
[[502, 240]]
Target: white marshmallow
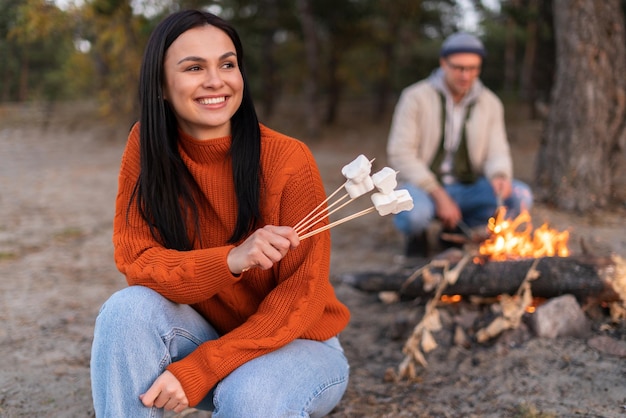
[[404, 201], [385, 180], [356, 189], [384, 203], [358, 169]]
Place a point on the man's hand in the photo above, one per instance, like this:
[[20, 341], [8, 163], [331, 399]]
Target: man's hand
[[446, 209], [263, 248], [502, 187], [166, 392]]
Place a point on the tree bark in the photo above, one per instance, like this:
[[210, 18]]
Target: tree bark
[[270, 85], [527, 88], [585, 277], [510, 49], [584, 135], [311, 46]]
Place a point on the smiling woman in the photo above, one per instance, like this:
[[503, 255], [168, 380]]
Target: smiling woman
[[225, 304], [203, 82]]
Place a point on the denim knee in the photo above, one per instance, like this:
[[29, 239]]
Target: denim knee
[[130, 301], [417, 219], [521, 198]]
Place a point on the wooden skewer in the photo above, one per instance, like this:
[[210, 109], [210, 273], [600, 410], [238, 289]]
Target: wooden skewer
[[338, 222], [296, 226], [315, 215], [324, 212]]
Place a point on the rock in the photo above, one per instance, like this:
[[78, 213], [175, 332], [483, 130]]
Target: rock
[[560, 317]]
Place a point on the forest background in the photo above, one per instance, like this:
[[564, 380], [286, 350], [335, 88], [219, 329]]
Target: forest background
[[565, 60]]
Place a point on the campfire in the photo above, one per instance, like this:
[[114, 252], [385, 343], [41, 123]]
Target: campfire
[[515, 238], [514, 271]]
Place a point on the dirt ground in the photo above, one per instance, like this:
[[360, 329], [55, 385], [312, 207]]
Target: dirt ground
[[57, 188]]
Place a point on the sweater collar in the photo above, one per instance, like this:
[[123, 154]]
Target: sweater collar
[[215, 149]]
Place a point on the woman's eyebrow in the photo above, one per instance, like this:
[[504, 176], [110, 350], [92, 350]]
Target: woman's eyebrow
[[199, 59], [191, 58]]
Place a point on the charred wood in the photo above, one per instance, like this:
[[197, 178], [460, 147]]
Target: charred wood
[[585, 277]]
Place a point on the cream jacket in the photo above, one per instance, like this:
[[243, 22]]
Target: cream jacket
[[416, 131]]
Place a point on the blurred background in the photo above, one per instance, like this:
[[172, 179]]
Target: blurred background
[[336, 50], [321, 58]]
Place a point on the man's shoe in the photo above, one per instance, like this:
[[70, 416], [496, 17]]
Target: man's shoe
[[417, 245]]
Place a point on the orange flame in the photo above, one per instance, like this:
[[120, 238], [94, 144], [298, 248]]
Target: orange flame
[[515, 238], [450, 298]]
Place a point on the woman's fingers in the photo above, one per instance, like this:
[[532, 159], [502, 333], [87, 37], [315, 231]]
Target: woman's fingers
[[263, 248], [166, 392]]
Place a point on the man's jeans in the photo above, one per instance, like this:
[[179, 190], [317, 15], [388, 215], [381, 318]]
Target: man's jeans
[[477, 202], [138, 333]]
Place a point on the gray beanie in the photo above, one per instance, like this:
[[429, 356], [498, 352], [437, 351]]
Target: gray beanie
[[462, 42]]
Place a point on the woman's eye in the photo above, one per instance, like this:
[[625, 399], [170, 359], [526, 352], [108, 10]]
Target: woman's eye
[[194, 68], [229, 65]]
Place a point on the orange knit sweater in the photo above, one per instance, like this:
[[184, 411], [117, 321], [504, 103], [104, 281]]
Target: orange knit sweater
[[258, 311]]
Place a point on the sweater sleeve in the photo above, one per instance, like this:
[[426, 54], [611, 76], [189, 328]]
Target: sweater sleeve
[[182, 276], [294, 307]]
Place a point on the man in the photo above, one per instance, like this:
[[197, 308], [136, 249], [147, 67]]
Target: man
[[448, 143]]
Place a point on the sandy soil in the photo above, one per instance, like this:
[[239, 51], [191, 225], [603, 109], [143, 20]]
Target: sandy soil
[[57, 189]]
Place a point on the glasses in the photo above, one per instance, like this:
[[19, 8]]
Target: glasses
[[471, 69]]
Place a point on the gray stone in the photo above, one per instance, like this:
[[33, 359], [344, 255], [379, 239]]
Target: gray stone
[[559, 317]]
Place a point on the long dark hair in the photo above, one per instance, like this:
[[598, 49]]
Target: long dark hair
[[166, 193]]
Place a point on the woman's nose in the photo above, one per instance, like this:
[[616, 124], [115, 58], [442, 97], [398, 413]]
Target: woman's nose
[[213, 79]]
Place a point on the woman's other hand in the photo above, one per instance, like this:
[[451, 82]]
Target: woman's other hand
[[166, 392]]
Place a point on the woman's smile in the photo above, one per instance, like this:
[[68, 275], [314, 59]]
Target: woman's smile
[[203, 82]]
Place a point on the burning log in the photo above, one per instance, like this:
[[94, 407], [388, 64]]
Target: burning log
[[585, 277], [513, 265]]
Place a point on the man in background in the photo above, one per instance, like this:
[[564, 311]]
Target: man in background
[[448, 143]]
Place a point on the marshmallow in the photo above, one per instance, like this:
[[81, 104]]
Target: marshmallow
[[358, 169], [404, 201], [384, 203], [385, 180], [356, 189]]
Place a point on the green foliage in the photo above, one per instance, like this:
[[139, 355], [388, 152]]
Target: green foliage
[[367, 48], [36, 41]]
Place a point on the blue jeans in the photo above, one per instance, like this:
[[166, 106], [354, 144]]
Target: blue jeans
[[138, 333], [477, 202]]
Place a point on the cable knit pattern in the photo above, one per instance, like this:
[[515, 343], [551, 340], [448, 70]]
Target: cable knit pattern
[[258, 311]]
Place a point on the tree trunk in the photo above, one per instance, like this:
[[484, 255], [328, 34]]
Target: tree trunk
[[269, 80], [587, 278], [24, 73], [334, 86], [586, 125], [510, 47], [383, 83], [311, 87], [527, 88]]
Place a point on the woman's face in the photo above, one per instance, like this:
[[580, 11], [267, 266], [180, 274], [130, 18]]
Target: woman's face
[[203, 83]]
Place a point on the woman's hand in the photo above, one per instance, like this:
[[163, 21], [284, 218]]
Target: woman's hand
[[263, 248], [166, 392]]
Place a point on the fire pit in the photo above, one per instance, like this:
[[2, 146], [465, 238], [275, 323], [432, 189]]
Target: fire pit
[[515, 269]]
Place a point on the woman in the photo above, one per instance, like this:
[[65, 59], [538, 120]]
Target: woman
[[226, 309]]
